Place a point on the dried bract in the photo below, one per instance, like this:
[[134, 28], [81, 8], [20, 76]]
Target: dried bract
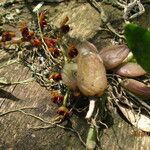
[[54, 51], [36, 42], [50, 42], [26, 33], [64, 28]]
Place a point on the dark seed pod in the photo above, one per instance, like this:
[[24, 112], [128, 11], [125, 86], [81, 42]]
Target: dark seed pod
[[130, 70], [136, 87], [91, 74], [69, 75], [113, 56]]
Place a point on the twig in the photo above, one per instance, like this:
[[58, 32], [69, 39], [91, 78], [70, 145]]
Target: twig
[[79, 136], [34, 116], [2, 103], [63, 53], [93, 121]]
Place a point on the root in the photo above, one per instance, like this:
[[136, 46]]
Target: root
[[104, 18], [15, 110], [91, 108]]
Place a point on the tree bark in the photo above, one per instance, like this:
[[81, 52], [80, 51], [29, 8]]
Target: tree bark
[[16, 131]]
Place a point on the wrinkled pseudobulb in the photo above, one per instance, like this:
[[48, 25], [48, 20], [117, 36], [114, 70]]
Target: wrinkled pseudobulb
[[91, 73], [136, 87], [130, 70], [69, 75]]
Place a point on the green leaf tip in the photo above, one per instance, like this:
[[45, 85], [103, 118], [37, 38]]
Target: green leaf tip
[[138, 40]]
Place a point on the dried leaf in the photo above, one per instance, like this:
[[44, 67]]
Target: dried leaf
[[140, 121]]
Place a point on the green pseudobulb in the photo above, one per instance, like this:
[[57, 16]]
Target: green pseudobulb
[[138, 40]]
